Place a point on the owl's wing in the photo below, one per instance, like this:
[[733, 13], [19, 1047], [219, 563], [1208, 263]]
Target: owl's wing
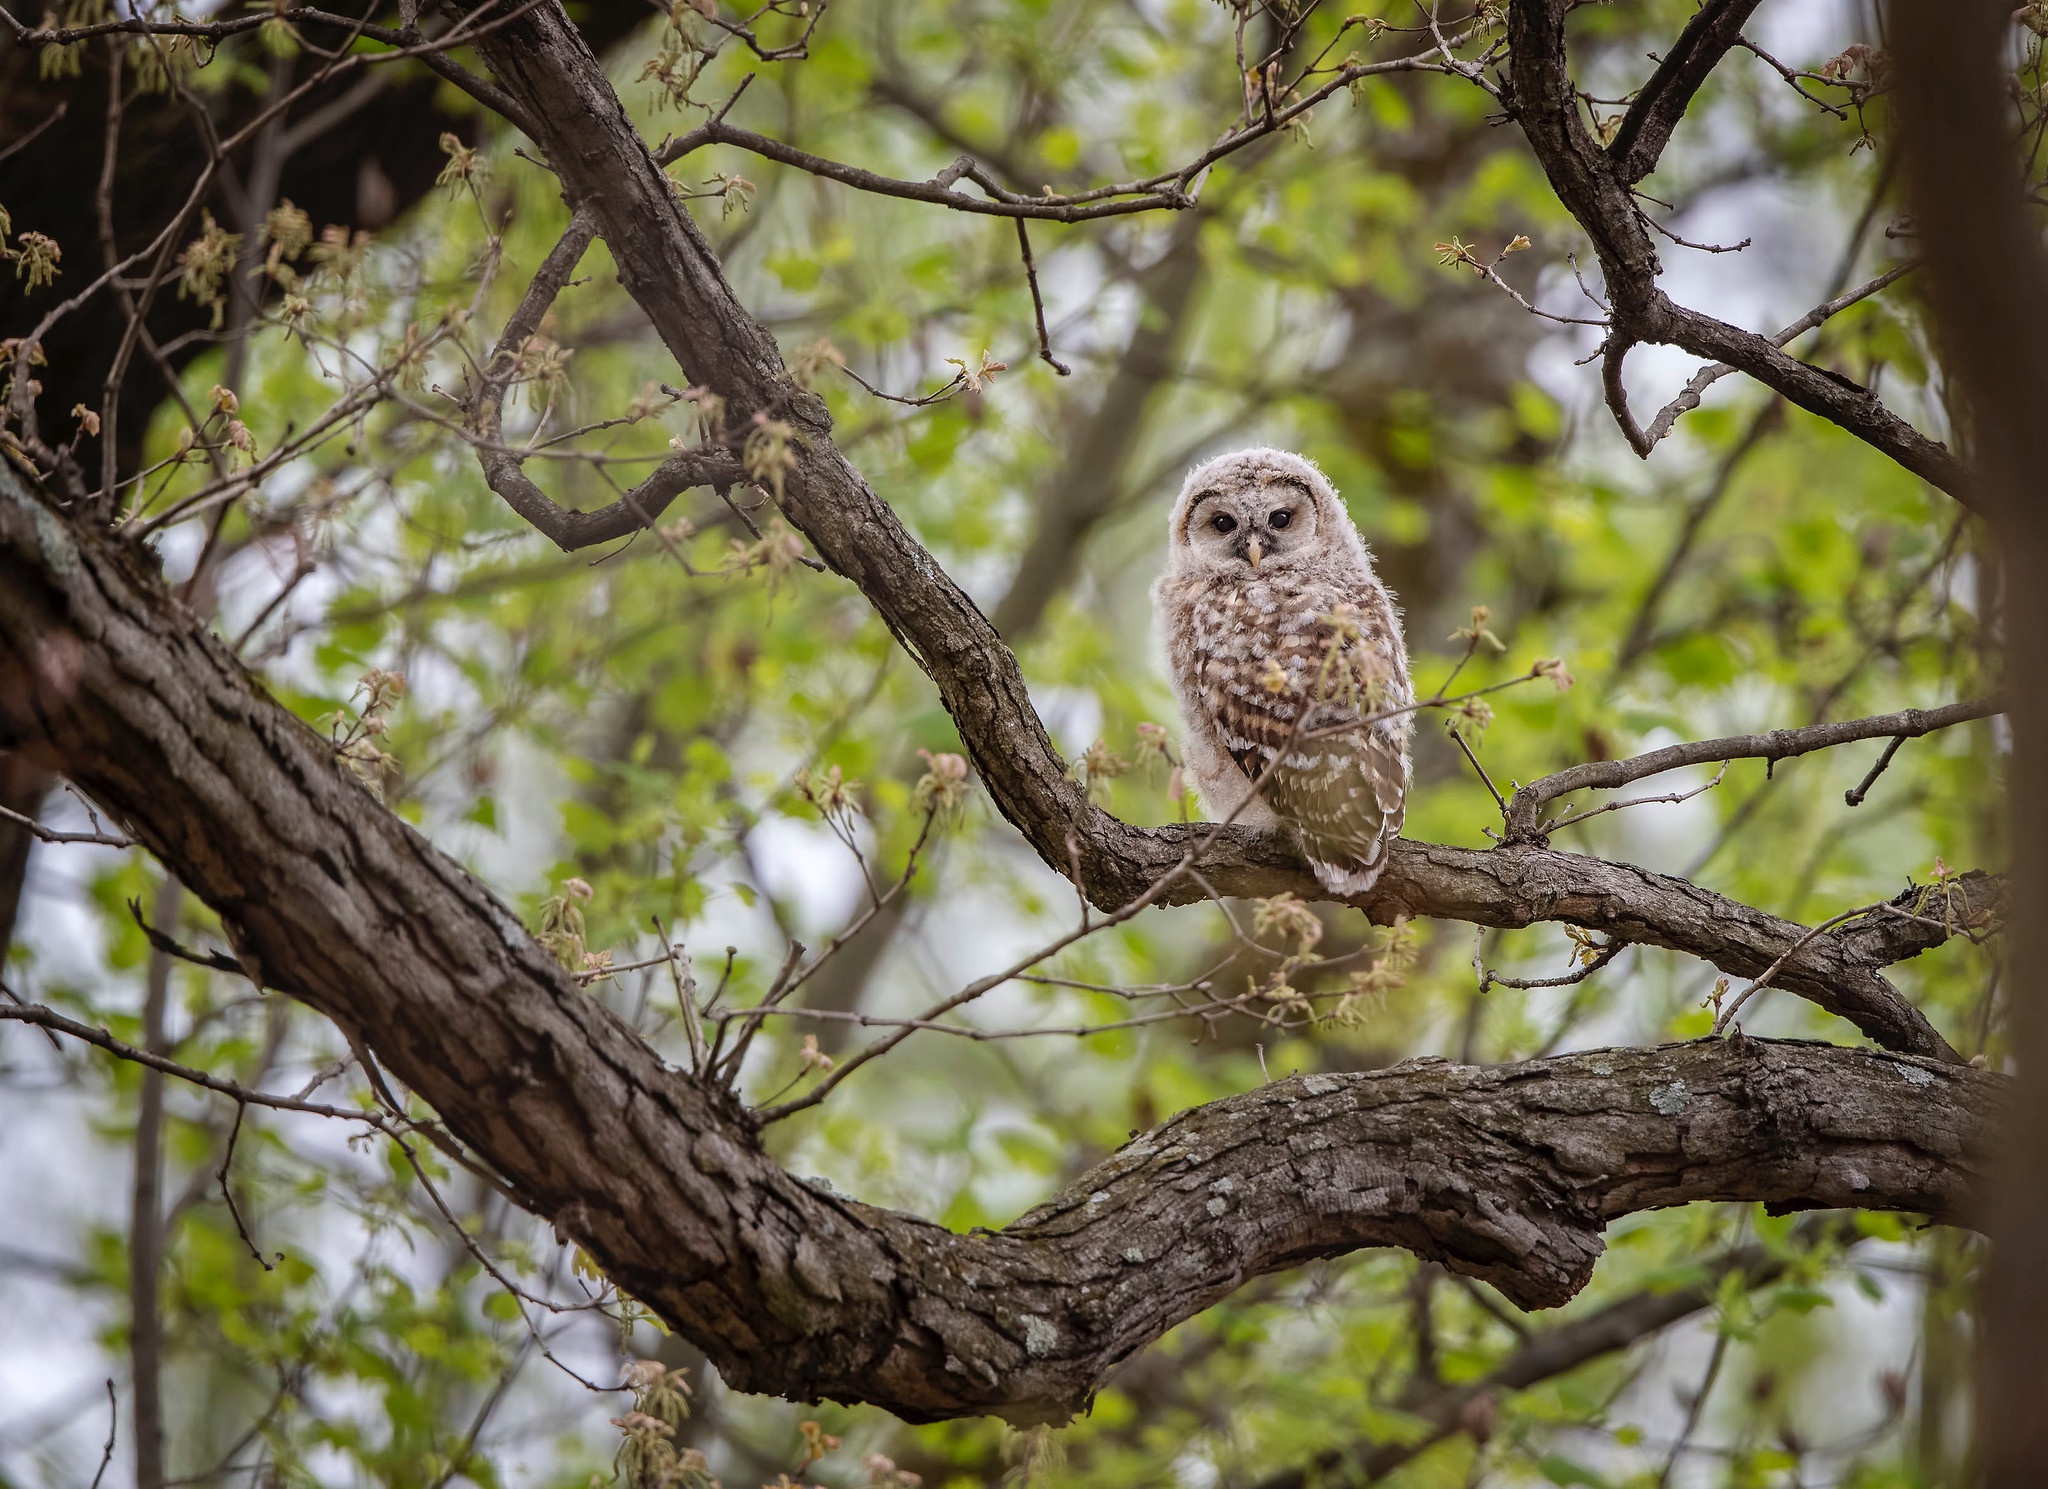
[[1343, 793], [1345, 796]]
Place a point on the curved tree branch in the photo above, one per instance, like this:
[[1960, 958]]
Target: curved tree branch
[[504, 472]]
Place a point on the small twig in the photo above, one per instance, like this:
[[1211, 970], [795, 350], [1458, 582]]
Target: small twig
[[43, 834], [1794, 78], [6, 150], [113, 1403], [1458, 735], [952, 386], [686, 1002], [1721, 1023], [1855, 794], [1688, 243], [1038, 303], [520, 1296], [235, 1210], [1638, 801], [1489, 979], [212, 960], [751, 1019]]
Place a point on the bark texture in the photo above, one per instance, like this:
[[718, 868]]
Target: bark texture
[[1508, 1174]]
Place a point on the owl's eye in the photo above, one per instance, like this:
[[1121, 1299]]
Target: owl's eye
[[1280, 519], [1223, 522]]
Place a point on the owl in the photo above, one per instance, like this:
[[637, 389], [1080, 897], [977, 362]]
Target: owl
[[1287, 658]]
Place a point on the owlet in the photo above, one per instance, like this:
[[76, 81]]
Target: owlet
[[1287, 657]]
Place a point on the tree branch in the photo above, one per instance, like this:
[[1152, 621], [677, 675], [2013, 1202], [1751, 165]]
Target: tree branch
[[1778, 744], [503, 466], [1646, 128], [1593, 187]]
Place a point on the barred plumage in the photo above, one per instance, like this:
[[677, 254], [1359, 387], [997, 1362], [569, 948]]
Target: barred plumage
[[1287, 657]]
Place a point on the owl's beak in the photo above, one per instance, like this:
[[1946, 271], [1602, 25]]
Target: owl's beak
[[1254, 550]]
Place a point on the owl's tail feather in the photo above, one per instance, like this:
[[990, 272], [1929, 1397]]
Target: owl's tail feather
[[1348, 876]]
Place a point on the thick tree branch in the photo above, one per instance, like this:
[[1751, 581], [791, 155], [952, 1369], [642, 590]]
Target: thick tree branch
[[1506, 1174]]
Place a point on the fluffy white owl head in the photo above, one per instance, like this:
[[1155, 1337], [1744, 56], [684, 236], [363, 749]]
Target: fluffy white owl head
[[1260, 513]]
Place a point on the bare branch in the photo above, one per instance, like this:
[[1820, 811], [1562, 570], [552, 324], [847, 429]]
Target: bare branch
[[639, 508], [1646, 128], [1706, 377], [44, 834], [1170, 189], [1543, 100], [1779, 744]]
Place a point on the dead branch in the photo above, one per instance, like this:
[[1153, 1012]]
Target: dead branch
[[1779, 744]]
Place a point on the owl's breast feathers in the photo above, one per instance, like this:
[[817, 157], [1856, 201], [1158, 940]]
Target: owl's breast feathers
[[1290, 676]]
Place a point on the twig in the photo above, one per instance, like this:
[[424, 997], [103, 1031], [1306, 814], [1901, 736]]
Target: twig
[[113, 1403], [520, 1296], [1038, 303], [6, 150], [1489, 979], [1638, 801], [1458, 736], [1791, 951], [41, 833], [686, 1001], [1855, 794], [228, 1194]]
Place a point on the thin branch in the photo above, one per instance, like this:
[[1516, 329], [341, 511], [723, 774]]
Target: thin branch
[[44, 1017], [1855, 794], [1038, 303], [1779, 744], [44, 834], [113, 1419], [1639, 801], [13, 148], [639, 508], [1727, 1016], [1489, 979], [1689, 398], [1173, 190], [227, 1162]]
